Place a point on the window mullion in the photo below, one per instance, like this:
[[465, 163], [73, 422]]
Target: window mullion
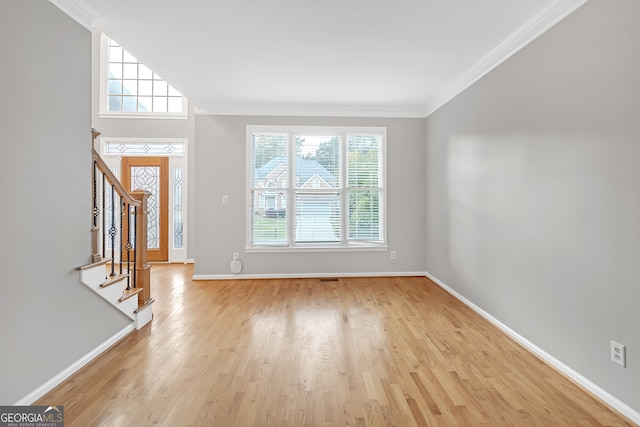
[[291, 167], [344, 193]]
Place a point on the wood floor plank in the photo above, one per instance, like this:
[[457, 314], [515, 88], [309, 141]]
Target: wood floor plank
[[396, 351]]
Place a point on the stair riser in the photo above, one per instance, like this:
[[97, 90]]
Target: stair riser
[[93, 277], [128, 307], [143, 316], [111, 293]]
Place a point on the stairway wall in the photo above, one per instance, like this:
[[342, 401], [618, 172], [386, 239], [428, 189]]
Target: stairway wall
[[48, 319]]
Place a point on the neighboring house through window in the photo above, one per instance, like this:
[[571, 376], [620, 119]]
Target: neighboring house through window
[[338, 197]]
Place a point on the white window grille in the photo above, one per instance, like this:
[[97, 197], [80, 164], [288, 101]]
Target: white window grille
[[129, 88]]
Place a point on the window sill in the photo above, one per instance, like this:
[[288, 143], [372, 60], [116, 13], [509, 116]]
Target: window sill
[[316, 248], [156, 116]]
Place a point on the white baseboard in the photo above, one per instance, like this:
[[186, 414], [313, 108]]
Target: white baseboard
[[58, 379], [602, 394], [303, 275]]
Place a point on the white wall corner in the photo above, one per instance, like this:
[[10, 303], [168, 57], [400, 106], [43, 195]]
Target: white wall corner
[[78, 11], [550, 15]]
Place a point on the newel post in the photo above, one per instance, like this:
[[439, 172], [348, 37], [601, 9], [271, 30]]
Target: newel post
[[143, 269]]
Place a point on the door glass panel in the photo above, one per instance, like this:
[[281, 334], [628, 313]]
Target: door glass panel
[[177, 208], [148, 178]]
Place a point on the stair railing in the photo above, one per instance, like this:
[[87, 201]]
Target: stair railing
[[123, 230]]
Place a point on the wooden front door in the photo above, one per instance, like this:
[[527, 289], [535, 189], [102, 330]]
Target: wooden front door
[[151, 174]]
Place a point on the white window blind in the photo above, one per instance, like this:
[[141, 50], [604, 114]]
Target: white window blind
[[269, 164], [318, 189], [365, 191], [336, 196]]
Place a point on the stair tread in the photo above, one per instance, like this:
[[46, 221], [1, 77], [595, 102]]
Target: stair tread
[[145, 305], [129, 293], [103, 261], [114, 279]]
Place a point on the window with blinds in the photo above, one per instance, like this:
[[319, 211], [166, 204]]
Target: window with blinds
[[269, 163], [364, 167], [316, 187]]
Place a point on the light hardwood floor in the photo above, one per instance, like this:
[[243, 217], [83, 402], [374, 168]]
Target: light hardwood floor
[[306, 352]]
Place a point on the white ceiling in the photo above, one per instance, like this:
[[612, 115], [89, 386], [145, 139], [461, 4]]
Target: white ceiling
[[400, 58]]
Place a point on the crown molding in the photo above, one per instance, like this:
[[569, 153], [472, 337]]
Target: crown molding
[[78, 10], [550, 15]]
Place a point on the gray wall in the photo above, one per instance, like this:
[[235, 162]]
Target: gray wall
[[533, 208], [48, 319], [221, 229], [145, 128]]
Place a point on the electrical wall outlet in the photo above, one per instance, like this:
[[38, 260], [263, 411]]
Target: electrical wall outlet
[[236, 256], [618, 354], [393, 255]]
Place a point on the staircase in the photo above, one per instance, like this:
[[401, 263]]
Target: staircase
[[114, 289], [119, 270]]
